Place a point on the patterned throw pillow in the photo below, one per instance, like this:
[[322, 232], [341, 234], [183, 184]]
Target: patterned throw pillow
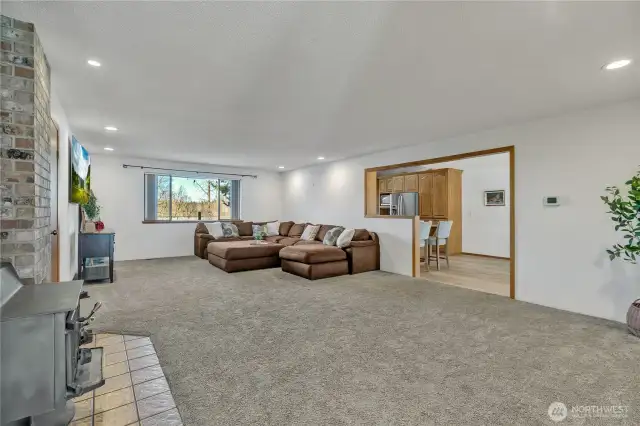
[[230, 229], [259, 229], [310, 232], [331, 237], [345, 238]]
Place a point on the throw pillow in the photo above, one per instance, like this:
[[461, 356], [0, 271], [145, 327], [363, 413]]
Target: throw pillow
[[296, 230], [259, 229], [331, 237], [273, 228], [229, 229], [216, 230], [345, 238], [310, 232]]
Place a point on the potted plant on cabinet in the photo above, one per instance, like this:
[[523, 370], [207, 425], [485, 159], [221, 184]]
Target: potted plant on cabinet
[[92, 211], [624, 209]]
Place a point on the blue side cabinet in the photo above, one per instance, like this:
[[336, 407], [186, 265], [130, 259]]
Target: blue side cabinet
[[95, 255]]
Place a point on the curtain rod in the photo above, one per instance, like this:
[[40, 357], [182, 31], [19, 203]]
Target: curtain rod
[[125, 166]]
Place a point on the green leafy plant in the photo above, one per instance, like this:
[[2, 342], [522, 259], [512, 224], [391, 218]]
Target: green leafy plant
[[624, 209], [91, 207]]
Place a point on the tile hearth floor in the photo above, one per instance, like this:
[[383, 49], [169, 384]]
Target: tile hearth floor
[[135, 392]]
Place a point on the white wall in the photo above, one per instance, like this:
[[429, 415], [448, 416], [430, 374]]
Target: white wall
[[67, 212], [560, 257], [120, 192]]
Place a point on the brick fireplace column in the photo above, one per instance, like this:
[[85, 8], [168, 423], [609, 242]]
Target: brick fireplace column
[[25, 151]]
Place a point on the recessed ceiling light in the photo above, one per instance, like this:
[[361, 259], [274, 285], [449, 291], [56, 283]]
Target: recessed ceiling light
[[281, 167], [111, 129], [320, 158], [106, 148], [93, 63], [617, 64]]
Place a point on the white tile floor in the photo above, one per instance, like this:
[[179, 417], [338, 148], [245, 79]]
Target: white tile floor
[[135, 390]]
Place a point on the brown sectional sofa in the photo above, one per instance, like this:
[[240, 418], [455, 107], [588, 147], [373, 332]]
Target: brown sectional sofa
[[362, 255]]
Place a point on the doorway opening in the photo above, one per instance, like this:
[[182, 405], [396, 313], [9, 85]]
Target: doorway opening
[[464, 223]]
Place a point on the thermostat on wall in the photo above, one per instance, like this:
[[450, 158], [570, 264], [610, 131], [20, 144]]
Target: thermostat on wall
[[552, 201]]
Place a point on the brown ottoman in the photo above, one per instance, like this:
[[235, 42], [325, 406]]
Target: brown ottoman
[[234, 256], [314, 261]]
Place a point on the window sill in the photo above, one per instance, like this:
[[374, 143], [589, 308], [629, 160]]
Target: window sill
[[147, 222]]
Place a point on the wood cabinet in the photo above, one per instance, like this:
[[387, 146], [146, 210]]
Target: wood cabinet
[[425, 191], [411, 183], [382, 186], [398, 184], [440, 194], [389, 186]]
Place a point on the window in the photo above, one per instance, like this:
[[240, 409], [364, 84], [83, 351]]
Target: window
[[179, 198]]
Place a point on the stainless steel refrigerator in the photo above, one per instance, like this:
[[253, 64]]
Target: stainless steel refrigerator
[[404, 204]]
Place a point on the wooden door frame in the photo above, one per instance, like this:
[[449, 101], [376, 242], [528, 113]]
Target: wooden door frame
[[368, 190], [55, 249]]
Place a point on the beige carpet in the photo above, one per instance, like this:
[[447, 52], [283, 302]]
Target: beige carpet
[[265, 347]]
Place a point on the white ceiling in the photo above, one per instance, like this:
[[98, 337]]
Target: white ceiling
[[263, 84]]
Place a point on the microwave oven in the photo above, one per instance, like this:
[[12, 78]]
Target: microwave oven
[[385, 200]]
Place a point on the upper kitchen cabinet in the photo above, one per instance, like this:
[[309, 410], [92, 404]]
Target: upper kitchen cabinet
[[398, 184], [382, 186], [411, 183], [425, 191], [389, 184], [440, 194]]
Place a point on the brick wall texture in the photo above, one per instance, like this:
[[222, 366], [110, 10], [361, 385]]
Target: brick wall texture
[[25, 151]]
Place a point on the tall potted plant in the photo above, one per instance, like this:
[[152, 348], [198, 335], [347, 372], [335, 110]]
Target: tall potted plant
[[92, 211], [624, 208]]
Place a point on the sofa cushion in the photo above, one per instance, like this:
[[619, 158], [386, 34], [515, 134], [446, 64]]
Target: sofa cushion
[[273, 238], [297, 230], [302, 242], [312, 253], [323, 231], [361, 235], [229, 229], [289, 241], [246, 237], [285, 227], [201, 228], [245, 229], [242, 249], [331, 237], [226, 239]]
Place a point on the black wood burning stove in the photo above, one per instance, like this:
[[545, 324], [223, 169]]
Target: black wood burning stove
[[42, 366]]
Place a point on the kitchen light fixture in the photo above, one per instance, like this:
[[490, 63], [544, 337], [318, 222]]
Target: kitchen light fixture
[[106, 148], [320, 158], [617, 64], [281, 167], [111, 129], [93, 63]]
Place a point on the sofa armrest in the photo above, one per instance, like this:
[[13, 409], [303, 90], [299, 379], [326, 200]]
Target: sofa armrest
[[206, 236], [363, 258], [365, 243]]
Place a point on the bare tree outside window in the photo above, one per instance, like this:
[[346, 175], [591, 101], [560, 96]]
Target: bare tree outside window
[[188, 198]]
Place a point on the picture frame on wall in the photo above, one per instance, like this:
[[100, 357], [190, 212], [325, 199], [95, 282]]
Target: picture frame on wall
[[494, 198]]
